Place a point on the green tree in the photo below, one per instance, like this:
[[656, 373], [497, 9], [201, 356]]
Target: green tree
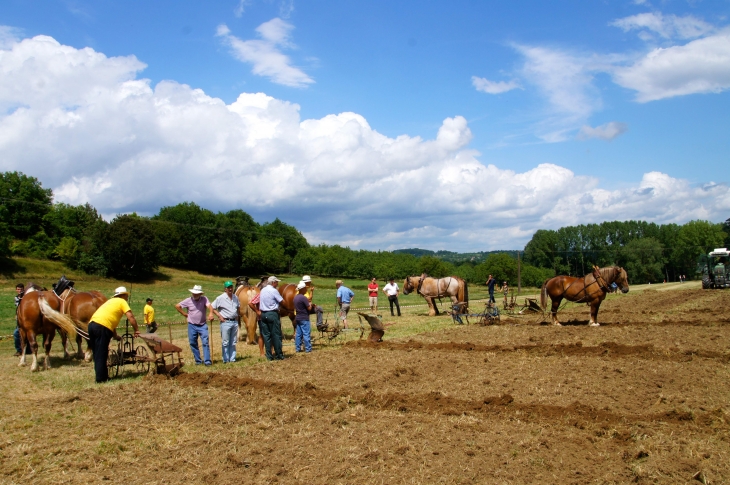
[[64, 220], [643, 260], [130, 248], [501, 266], [695, 240], [23, 203], [67, 250], [434, 267], [265, 256]]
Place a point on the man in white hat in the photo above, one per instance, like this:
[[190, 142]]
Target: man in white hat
[[270, 325], [195, 306], [103, 327]]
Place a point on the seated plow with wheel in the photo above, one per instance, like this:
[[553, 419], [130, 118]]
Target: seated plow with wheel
[[166, 358], [460, 313]]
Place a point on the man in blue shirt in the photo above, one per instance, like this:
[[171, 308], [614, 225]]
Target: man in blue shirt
[[344, 299], [270, 325], [490, 284]]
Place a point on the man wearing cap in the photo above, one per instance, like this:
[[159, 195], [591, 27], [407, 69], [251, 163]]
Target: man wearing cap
[[302, 308], [149, 317], [344, 299], [392, 290], [226, 309], [270, 325], [310, 294], [103, 327], [195, 306]]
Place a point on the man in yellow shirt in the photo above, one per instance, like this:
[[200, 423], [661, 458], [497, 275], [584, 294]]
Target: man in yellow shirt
[[103, 326], [149, 317]]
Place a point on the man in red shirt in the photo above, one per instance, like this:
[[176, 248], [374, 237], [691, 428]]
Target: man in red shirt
[[373, 293]]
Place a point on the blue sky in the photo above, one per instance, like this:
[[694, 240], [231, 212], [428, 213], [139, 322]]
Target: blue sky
[[455, 125]]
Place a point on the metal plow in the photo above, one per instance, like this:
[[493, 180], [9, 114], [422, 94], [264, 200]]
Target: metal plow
[[167, 359]]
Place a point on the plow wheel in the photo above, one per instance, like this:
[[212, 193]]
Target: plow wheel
[[113, 363], [142, 360]]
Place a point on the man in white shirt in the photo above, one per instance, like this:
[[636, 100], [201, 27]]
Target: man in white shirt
[[392, 290]]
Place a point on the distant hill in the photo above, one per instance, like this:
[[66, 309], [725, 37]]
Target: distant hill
[[453, 257]]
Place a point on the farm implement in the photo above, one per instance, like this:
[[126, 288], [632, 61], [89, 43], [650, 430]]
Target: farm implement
[[166, 359]]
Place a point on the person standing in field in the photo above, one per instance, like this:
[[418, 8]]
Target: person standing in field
[[195, 306], [490, 284], [392, 290], [226, 309], [344, 300], [149, 317], [103, 327], [303, 328], [505, 290], [373, 295], [270, 326], [310, 295], [19, 292]]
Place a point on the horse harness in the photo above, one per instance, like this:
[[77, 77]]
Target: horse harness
[[596, 280]]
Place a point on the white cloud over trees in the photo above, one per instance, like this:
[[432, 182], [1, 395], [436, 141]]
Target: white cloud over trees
[[87, 126]]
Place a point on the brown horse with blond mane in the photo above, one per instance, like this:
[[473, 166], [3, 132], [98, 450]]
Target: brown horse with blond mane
[[32, 321], [590, 289], [432, 288]]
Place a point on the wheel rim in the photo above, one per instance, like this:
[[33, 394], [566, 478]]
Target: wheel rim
[[142, 362]]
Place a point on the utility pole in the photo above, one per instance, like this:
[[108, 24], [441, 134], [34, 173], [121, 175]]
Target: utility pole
[[519, 274]]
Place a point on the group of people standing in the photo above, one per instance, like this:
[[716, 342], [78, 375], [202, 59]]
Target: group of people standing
[[198, 310]]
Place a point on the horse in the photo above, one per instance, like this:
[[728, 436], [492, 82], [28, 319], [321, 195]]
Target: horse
[[590, 289], [80, 306], [432, 288], [32, 321], [245, 294]]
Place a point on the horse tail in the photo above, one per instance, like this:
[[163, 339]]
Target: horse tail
[[63, 322], [463, 291], [543, 295]]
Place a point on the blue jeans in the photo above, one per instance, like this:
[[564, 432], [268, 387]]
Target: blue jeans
[[270, 327], [193, 332], [229, 336], [303, 331]]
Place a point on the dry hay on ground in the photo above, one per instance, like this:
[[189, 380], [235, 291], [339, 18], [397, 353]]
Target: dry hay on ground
[[642, 399]]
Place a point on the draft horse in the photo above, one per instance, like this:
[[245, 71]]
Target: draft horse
[[591, 289], [245, 293], [432, 288], [32, 321]]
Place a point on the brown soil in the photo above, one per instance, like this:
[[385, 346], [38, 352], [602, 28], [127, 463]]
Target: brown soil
[[643, 398]]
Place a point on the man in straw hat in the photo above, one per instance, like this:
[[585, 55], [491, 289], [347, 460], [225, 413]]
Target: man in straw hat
[[195, 306], [103, 327]]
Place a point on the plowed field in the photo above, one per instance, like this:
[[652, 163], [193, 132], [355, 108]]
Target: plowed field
[[645, 398]]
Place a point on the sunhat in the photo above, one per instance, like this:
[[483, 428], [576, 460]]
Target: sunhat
[[273, 279], [306, 278], [196, 290], [120, 291], [301, 285]]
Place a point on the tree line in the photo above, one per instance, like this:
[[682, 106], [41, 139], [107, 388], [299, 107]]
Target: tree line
[[649, 252], [187, 236]]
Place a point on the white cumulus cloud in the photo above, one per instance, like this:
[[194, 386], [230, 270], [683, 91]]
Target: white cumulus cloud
[[265, 54], [88, 127], [700, 66]]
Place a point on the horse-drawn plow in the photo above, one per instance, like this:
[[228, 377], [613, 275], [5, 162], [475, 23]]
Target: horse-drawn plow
[[166, 358]]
